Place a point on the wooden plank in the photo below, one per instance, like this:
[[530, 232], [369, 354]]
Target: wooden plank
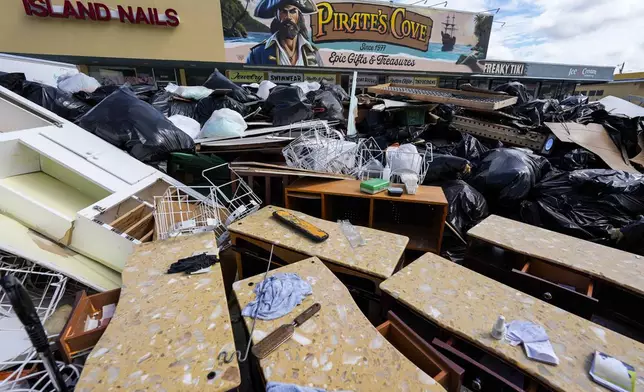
[[302, 126], [284, 167], [141, 227], [467, 304], [277, 172], [126, 220], [148, 236]]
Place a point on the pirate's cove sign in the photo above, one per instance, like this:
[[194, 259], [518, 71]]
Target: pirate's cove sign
[[335, 22]]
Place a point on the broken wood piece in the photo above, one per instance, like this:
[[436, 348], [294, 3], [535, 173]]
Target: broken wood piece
[[128, 219]]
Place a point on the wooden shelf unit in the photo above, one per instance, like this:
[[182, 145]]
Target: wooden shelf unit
[[421, 217]]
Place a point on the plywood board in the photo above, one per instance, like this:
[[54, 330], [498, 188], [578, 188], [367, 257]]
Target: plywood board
[[378, 258], [28, 244], [593, 138], [286, 172], [283, 167], [467, 304], [616, 266], [168, 329], [337, 349]]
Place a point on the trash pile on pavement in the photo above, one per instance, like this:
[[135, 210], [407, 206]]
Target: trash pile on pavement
[[91, 189]]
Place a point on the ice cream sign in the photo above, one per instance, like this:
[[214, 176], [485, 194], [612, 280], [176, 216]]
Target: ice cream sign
[[99, 12]]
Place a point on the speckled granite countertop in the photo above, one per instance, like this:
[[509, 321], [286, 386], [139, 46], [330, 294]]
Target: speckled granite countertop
[[378, 258], [616, 266], [337, 349], [168, 329], [467, 304]]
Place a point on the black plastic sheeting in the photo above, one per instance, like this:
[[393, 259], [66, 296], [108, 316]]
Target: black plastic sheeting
[[288, 105], [336, 89], [447, 167], [97, 96], [12, 81], [630, 237], [574, 100], [467, 206], [170, 105], [506, 175], [206, 106], [55, 100], [589, 204], [515, 89], [217, 80], [135, 126], [623, 130]]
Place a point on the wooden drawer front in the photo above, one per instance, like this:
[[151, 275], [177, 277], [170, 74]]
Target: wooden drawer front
[[562, 297], [417, 350], [476, 377]]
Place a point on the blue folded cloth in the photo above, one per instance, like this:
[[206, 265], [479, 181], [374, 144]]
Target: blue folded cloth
[[281, 387], [282, 293]]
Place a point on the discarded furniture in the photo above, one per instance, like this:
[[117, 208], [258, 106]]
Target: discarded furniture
[[421, 217], [32, 246], [338, 348], [362, 269], [466, 99], [72, 186], [580, 276], [168, 329], [74, 339], [458, 307], [539, 142], [421, 353]]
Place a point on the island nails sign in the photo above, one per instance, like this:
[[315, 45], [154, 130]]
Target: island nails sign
[[371, 35], [99, 12]]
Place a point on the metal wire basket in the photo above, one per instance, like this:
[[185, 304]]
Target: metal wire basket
[[19, 361], [236, 196], [322, 149], [402, 162]]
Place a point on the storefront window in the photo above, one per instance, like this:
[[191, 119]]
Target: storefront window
[[567, 89], [480, 83], [497, 82], [197, 77], [531, 88], [447, 83], [116, 76]]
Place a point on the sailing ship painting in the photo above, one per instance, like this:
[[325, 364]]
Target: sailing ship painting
[[449, 39]]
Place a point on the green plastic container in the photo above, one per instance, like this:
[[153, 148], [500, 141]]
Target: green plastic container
[[374, 185]]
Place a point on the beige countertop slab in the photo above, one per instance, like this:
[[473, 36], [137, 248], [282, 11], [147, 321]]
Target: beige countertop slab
[[379, 257], [467, 304], [618, 267], [338, 348], [168, 329]]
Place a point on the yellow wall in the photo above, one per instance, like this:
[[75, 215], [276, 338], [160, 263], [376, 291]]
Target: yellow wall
[[620, 90], [199, 37]]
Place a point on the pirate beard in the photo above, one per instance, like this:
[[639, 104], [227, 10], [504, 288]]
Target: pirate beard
[[288, 29]]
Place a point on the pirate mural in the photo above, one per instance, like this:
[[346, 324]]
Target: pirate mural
[[289, 43]]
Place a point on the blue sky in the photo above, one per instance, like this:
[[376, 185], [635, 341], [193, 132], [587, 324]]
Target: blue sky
[[589, 32]]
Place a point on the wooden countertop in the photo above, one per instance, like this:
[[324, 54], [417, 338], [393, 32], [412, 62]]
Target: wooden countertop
[[337, 349], [379, 257], [168, 329], [467, 304], [618, 267], [424, 194]]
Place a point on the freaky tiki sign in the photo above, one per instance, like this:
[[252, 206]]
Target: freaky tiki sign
[[362, 35]]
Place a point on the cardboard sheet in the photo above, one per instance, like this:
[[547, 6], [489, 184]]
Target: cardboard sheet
[[595, 138]]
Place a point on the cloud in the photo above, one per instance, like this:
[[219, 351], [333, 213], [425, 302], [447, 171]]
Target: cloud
[[598, 32]]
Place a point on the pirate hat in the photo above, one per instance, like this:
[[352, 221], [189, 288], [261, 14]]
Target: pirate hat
[[267, 9]]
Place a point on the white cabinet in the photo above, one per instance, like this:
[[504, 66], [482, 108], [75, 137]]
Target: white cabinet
[[100, 153]]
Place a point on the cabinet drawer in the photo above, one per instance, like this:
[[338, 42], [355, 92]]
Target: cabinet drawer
[[417, 350], [560, 287], [477, 377]]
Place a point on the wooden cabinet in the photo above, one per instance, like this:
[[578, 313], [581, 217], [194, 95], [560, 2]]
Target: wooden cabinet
[[421, 217]]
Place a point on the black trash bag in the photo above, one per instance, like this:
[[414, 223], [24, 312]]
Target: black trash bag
[[135, 126], [588, 204], [630, 237], [623, 130], [288, 105], [170, 105], [515, 89], [539, 111], [13, 81], [97, 96], [447, 167], [217, 80], [55, 100], [445, 111], [326, 105], [336, 89], [578, 159], [574, 100], [506, 175], [161, 102], [467, 207], [144, 91], [206, 106], [470, 148]]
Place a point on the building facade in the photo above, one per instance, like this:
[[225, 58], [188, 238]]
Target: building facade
[[628, 86]]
